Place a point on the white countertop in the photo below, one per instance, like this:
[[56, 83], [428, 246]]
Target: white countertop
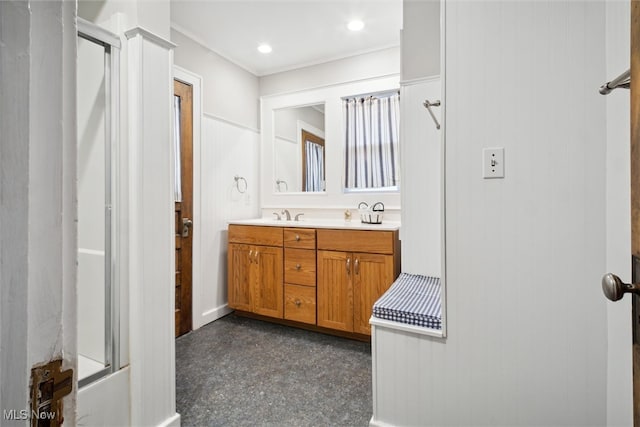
[[354, 224]]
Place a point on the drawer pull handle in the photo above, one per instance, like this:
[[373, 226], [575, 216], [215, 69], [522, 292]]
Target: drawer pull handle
[[298, 266], [356, 266], [251, 257], [348, 265], [297, 303], [297, 238]]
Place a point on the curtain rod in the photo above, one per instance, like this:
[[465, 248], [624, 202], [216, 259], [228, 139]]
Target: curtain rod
[[623, 81], [373, 94]]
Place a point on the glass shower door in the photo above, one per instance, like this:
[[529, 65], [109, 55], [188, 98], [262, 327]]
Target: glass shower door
[[97, 308]]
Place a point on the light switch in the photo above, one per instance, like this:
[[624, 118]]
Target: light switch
[[493, 162]]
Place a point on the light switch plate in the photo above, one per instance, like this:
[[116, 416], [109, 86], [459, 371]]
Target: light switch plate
[[493, 162]]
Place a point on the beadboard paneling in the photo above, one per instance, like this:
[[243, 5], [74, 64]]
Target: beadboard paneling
[[227, 150], [527, 339], [619, 372], [151, 225]]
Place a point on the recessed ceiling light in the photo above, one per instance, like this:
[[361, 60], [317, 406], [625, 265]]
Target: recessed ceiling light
[[264, 48], [355, 25]]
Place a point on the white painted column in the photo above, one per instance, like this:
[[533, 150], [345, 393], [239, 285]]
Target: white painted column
[[151, 222], [37, 195]]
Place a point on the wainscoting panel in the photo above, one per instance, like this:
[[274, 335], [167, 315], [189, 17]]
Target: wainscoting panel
[[227, 150]]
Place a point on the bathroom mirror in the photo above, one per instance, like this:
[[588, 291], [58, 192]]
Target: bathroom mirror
[[299, 149]]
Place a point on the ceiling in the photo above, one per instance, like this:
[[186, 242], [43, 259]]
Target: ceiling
[[301, 32]]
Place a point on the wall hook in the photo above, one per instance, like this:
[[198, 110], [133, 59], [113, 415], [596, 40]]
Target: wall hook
[[428, 106]]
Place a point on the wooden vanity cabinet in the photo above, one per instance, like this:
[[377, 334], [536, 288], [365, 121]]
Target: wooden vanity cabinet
[[255, 272], [300, 275], [318, 277], [349, 282]]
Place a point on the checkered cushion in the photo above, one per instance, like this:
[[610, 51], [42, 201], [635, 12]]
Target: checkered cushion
[[412, 299]]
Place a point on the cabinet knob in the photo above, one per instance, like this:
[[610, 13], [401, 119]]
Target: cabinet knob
[[298, 266], [297, 238], [297, 303]]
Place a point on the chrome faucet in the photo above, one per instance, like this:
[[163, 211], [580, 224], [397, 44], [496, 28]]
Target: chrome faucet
[[298, 217], [286, 214], [277, 216]]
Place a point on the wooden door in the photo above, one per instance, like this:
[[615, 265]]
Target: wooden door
[[267, 281], [335, 291], [183, 103], [239, 262], [373, 275]]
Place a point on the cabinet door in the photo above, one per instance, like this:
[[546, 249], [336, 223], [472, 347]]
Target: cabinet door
[[335, 293], [372, 275], [267, 280], [239, 280]]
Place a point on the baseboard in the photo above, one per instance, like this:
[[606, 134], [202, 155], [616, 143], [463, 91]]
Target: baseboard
[[214, 314], [173, 421], [376, 423]]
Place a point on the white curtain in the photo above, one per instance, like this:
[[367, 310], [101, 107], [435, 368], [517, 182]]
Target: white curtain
[[177, 189], [314, 180], [371, 141]]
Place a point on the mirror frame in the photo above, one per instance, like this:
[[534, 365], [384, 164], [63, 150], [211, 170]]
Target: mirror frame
[[333, 196]]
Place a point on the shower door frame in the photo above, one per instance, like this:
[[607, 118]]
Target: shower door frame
[[112, 45]]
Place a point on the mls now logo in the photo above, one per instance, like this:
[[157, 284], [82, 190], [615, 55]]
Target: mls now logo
[[25, 414]]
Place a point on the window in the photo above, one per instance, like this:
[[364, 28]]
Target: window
[[372, 142]]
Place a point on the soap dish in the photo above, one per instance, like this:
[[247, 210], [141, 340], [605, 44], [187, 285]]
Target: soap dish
[[371, 215]]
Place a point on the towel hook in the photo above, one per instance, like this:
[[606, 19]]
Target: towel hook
[[428, 106], [281, 181], [237, 179]]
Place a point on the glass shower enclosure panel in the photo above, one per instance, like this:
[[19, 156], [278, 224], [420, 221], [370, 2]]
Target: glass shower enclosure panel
[[97, 308]]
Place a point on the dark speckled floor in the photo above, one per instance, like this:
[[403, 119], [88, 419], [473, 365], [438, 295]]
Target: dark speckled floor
[[244, 372]]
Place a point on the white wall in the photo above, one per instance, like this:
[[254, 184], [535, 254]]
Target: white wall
[[227, 150], [152, 229], [420, 33], [229, 91], [527, 339], [619, 359], [421, 185], [152, 15], [376, 64], [37, 188]]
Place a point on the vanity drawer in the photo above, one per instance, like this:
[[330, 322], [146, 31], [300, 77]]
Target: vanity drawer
[[255, 235], [300, 303], [376, 242], [301, 238], [300, 266]]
